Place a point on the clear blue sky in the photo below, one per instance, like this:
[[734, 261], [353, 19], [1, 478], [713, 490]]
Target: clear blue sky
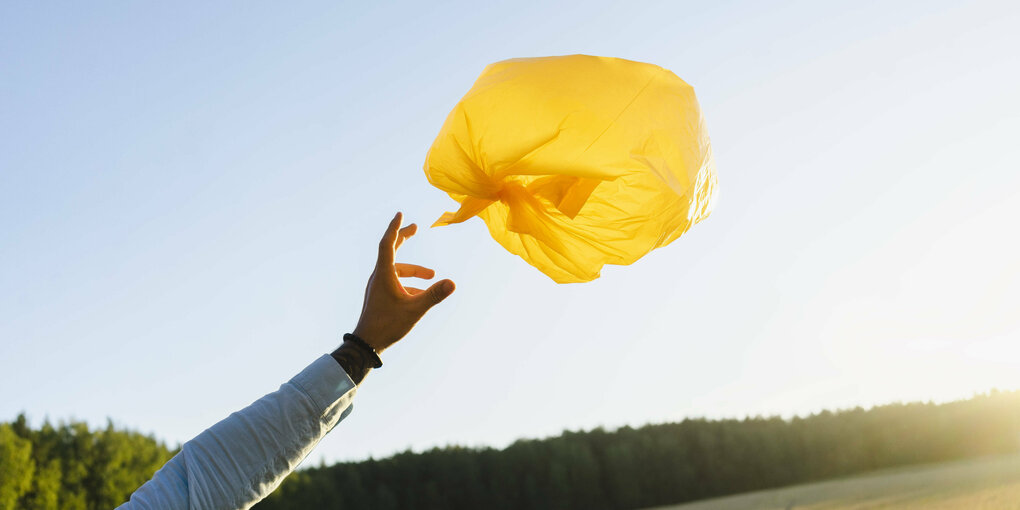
[[190, 195]]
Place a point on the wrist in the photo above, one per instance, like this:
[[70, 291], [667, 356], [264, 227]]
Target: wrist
[[372, 339], [356, 360], [359, 343]]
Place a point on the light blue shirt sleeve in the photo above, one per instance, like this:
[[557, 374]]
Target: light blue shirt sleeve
[[240, 460]]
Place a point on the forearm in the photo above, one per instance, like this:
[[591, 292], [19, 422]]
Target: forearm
[[240, 460]]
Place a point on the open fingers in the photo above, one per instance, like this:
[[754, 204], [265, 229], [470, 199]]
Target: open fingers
[[388, 243], [413, 271], [405, 233]]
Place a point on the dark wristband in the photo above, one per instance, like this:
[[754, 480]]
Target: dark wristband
[[358, 341]]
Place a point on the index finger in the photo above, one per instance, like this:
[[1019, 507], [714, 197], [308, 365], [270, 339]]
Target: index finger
[[386, 245]]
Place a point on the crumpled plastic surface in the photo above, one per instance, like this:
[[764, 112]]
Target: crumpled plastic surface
[[577, 161]]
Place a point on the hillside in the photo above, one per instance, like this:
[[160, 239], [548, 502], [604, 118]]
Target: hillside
[[70, 466], [665, 463]]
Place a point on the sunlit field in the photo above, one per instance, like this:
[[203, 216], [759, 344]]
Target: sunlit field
[[990, 483]]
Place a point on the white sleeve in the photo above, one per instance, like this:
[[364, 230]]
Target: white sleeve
[[240, 460]]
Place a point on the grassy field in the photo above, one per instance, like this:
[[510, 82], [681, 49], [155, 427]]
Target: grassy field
[[990, 483]]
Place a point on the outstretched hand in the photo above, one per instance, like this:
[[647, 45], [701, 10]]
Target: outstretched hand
[[391, 309]]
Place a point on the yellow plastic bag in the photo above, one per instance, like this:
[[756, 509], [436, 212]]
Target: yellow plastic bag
[[575, 162]]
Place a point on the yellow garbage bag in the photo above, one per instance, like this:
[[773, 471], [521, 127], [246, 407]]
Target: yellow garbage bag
[[577, 161]]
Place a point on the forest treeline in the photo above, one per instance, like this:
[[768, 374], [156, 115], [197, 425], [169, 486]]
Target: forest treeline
[[69, 466], [72, 467], [662, 464]]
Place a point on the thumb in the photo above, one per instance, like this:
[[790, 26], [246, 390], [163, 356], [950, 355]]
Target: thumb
[[435, 294]]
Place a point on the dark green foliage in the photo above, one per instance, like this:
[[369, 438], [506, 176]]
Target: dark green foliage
[[71, 467], [662, 464]]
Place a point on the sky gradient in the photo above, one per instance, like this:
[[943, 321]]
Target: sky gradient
[[190, 197]]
